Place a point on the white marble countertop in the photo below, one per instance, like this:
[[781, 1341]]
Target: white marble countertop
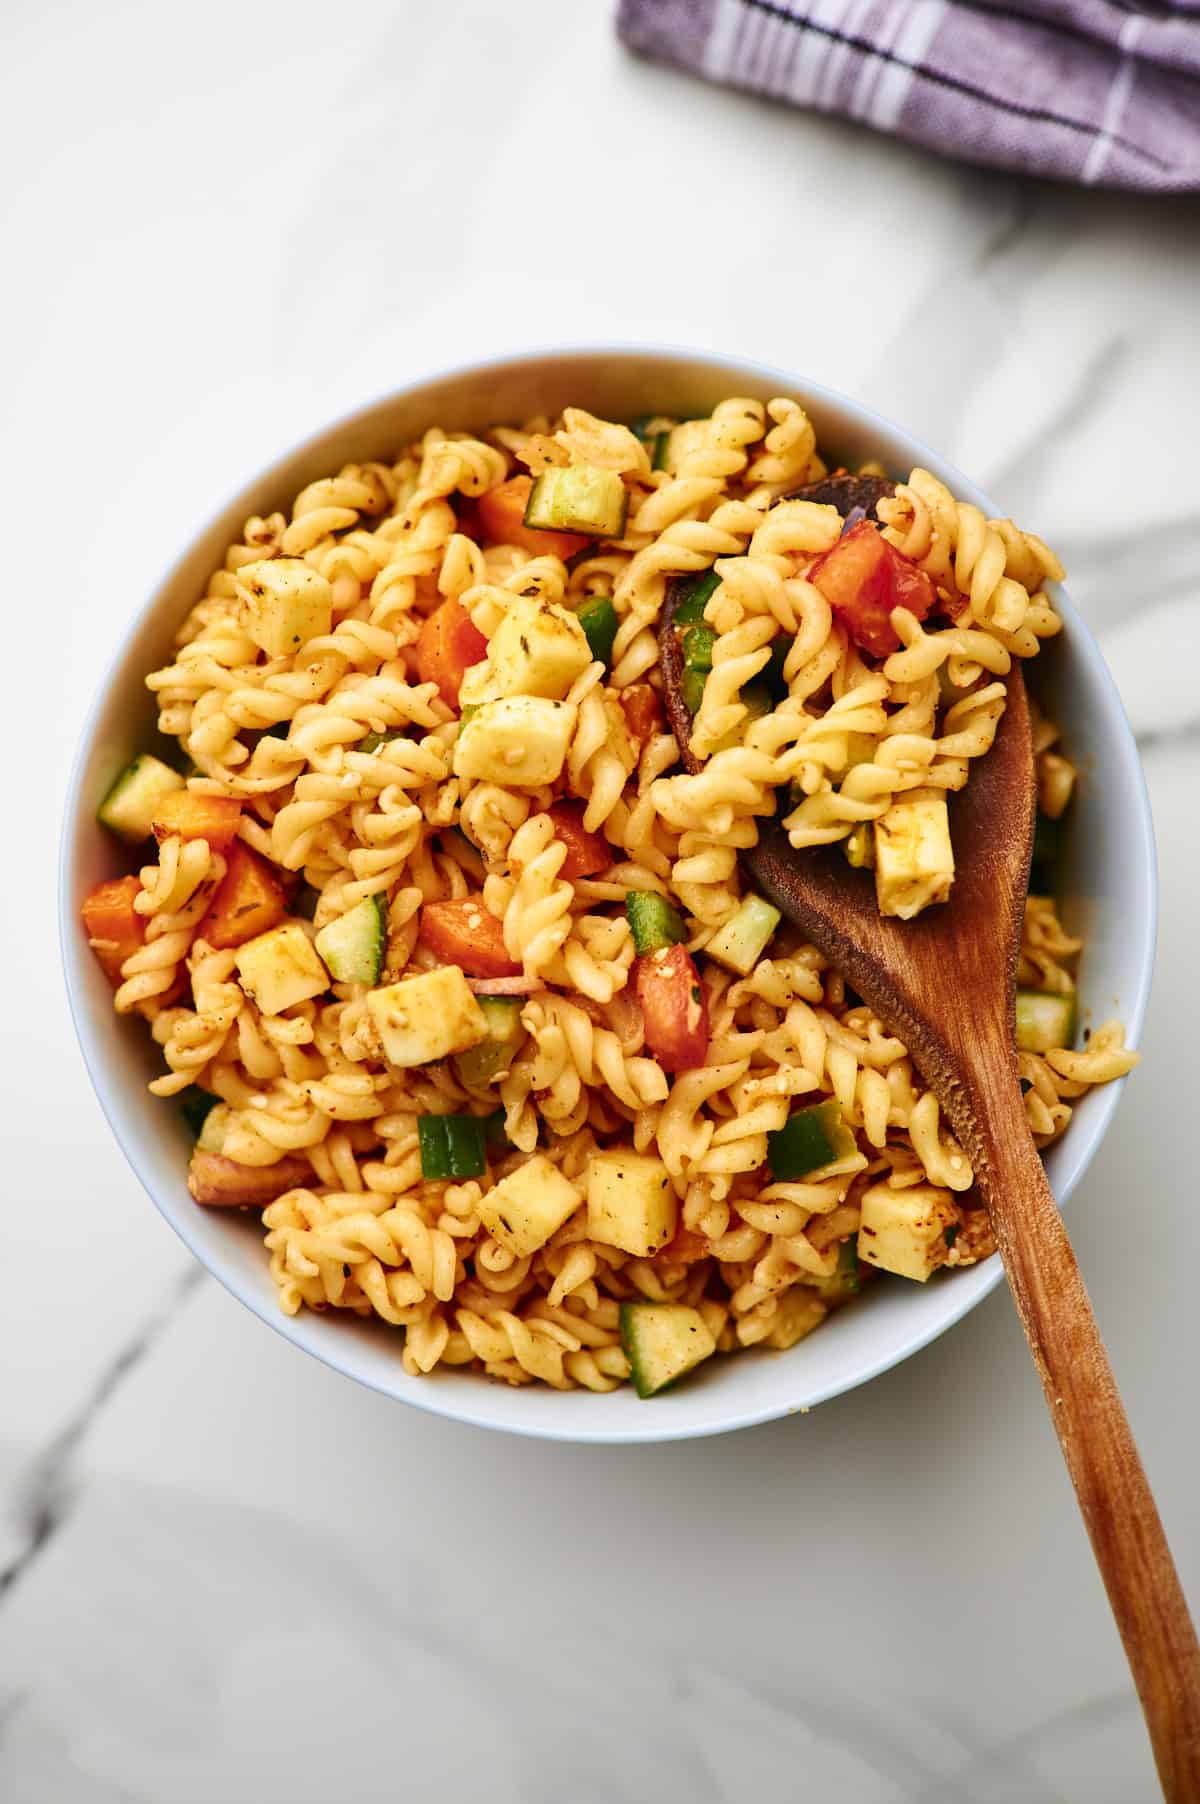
[[229, 1574]]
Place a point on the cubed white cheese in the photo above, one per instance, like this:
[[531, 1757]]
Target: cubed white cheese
[[630, 1202], [428, 1017], [281, 968], [527, 1207], [520, 741], [904, 1231], [286, 603], [537, 649], [914, 860]]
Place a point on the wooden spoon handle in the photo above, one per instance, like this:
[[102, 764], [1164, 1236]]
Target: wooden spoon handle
[[1090, 1421]]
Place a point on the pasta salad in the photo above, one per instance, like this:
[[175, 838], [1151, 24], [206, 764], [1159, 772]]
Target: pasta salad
[[453, 969]]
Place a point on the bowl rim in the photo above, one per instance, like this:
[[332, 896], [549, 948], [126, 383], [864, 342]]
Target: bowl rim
[[116, 1106]]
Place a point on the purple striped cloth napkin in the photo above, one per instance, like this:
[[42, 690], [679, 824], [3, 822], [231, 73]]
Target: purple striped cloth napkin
[[1094, 91]]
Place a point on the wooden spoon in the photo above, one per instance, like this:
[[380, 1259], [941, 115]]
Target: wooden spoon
[[945, 983]]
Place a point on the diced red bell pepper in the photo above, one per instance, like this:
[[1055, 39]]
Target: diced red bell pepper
[[674, 1006], [502, 518], [587, 853], [214, 818], [114, 928], [863, 578], [643, 712], [249, 900], [449, 644], [464, 933]]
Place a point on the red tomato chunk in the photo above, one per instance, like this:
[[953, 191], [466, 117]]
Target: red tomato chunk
[[463, 933], [587, 853], [863, 578], [674, 1006], [501, 515], [449, 644], [643, 712]]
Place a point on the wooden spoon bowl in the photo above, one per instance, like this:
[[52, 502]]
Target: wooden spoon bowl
[[945, 982]]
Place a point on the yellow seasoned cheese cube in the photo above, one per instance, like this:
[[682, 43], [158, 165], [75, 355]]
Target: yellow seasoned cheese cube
[[914, 860], [537, 649], [630, 1202], [286, 603], [530, 1205], [424, 1018], [904, 1231], [520, 741], [281, 968]]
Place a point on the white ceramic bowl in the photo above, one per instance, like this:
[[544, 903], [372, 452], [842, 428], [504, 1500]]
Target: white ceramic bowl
[[1111, 888]]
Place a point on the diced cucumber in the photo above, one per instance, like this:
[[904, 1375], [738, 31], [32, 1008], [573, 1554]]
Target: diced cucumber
[[197, 1105], [1045, 1020], [481, 1065], [798, 1311], [129, 806], [808, 1141], [691, 609], [691, 687], [698, 642], [653, 921], [860, 847], [598, 618], [744, 938], [663, 1342], [452, 1146], [354, 945], [578, 498]]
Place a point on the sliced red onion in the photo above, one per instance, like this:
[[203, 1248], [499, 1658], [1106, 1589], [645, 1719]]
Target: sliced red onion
[[502, 986], [852, 519]]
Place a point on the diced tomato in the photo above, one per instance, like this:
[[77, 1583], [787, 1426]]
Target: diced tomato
[[114, 928], [674, 1007], [863, 578], [463, 933], [643, 712], [249, 900], [449, 644], [685, 1248], [587, 852], [502, 518], [214, 818]]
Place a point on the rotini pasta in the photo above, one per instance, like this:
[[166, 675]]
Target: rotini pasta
[[450, 963]]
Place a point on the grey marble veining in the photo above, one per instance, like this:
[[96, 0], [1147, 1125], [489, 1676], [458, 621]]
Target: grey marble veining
[[226, 1574]]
